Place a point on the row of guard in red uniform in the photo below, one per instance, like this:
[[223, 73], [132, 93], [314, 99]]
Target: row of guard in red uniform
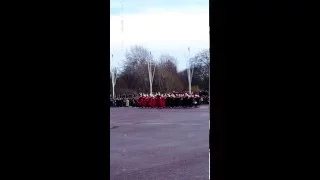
[[169, 100]]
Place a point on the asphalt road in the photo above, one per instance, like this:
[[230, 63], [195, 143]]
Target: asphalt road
[[165, 144]]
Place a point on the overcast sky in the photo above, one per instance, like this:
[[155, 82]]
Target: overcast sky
[[162, 26]]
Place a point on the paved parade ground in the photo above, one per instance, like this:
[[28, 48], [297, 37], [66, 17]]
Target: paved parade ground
[[161, 144]]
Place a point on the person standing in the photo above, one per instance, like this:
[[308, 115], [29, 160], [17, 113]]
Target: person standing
[[197, 98], [163, 101], [168, 101], [147, 101], [158, 104], [127, 102], [180, 100], [194, 102], [140, 101], [144, 101], [152, 101], [174, 104]]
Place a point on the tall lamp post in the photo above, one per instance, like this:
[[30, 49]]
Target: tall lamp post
[[190, 70], [113, 78], [151, 72], [209, 80]]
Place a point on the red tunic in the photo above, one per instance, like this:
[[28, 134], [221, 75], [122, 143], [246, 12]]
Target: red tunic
[[163, 102], [151, 100], [144, 101], [154, 102], [158, 103], [147, 102]]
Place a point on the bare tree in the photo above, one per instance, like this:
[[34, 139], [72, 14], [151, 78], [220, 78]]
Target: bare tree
[[168, 71], [136, 69], [134, 75], [202, 58], [201, 62]]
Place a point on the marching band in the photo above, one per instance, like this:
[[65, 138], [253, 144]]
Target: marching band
[[170, 100]]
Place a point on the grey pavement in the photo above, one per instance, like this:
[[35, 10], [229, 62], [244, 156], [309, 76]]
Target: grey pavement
[[160, 144]]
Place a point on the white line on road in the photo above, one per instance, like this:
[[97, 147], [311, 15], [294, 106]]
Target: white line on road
[[160, 124]]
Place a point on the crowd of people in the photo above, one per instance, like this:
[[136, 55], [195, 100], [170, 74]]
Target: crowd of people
[[171, 100]]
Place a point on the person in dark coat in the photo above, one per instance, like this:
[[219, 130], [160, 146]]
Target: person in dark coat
[[197, 99], [163, 101], [189, 101], [173, 104], [140, 99], [181, 100], [168, 100], [158, 101], [185, 100]]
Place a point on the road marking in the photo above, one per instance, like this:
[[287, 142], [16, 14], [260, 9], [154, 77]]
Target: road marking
[[114, 127], [160, 124], [209, 164]]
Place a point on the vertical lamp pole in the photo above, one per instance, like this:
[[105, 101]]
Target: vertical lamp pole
[[150, 72], [190, 71], [209, 69], [113, 78], [122, 26]]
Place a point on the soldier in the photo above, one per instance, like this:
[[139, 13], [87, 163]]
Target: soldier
[[131, 101], [201, 100], [140, 101], [123, 101], [152, 101], [144, 101], [184, 100], [191, 101], [134, 103], [197, 99], [167, 100], [194, 103], [162, 101], [180, 100], [157, 104], [174, 102], [187, 100], [117, 102], [147, 101]]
